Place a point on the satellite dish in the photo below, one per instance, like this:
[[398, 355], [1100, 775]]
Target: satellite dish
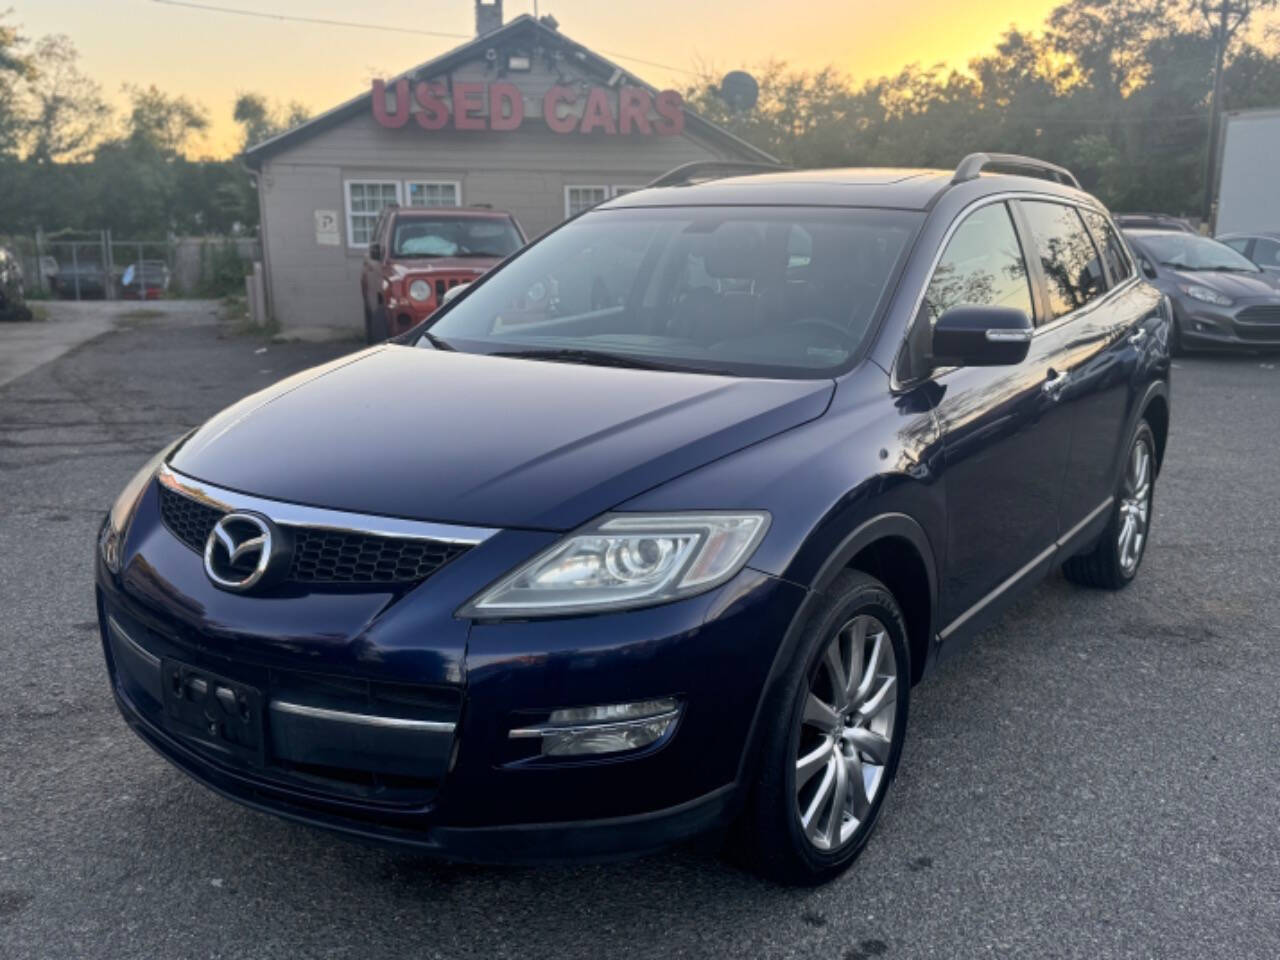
[[739, 90]]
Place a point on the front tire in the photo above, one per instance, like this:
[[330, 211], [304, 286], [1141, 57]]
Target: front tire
[[833, 746], [1114, 560], [376, 329]]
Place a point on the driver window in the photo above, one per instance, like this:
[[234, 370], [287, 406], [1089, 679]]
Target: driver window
[[981, 266]]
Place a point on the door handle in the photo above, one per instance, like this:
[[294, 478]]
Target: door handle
[[1054, 384]]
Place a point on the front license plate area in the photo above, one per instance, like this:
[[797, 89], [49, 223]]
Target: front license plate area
[[219, 713]]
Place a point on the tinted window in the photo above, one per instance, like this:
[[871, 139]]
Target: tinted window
[[1072, 269], [773, 291], [1113, 251], [1266, 253], [982, 266], [1238, 244]]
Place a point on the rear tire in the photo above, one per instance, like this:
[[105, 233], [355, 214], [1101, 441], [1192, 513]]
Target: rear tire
[[1113, 561], [833, 745]]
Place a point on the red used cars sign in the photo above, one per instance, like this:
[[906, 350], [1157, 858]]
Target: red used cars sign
[[500, 106]]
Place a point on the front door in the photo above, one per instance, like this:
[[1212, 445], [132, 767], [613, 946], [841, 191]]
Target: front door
[[1006, 437]]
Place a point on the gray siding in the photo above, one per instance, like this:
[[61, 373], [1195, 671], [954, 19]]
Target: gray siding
[[523, 171]]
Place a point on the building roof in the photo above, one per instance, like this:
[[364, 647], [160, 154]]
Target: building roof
[[582, 57]]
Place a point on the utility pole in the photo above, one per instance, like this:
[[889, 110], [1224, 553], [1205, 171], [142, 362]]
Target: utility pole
[[1224, 18], [1219, 32]]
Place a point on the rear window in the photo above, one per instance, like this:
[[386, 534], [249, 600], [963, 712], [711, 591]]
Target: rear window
[[1113, 252], [1072, 268], [453, 237], [789, 291]]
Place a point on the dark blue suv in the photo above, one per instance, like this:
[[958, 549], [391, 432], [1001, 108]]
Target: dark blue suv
[[652, 529]]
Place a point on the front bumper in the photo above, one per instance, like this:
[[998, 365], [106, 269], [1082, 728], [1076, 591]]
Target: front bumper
[[470, 793], [1246, 325]]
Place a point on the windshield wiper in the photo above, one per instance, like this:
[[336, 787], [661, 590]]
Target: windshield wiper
[[600, 358], [1176, 264], [437, 342], [482, 253]]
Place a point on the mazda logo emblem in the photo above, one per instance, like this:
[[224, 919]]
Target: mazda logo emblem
[[239, 550]]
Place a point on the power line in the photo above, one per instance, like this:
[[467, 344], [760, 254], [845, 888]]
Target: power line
[[351, 24], [285, 17]]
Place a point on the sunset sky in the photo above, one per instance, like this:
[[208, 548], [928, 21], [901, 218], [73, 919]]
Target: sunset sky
[[210, 56]]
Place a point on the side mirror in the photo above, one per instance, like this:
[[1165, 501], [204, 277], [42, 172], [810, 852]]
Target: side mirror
[[453, 293], [981, 337], [375, 251], [1148, 269]]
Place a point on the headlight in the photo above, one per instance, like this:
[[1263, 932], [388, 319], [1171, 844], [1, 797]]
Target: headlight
[[114, 528], [420, 290], [626, 560], [1205, 295]]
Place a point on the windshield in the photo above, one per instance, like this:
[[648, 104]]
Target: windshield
[[454, 237], [1186, 251], [782, 291]]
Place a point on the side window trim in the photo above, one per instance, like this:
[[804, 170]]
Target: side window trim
[[1113, 281], [1035, 269], [1042, 284]]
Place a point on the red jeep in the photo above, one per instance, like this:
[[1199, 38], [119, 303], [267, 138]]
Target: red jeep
[[418, 253]]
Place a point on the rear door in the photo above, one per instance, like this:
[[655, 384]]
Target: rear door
[[1005, 442], [1098, 311]]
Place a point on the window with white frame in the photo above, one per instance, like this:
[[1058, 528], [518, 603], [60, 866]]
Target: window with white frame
[[365, 200], [620, 190], [426, 193], [577, 199]]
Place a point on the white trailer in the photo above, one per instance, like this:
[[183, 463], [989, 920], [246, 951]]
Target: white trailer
[[1249, 185]]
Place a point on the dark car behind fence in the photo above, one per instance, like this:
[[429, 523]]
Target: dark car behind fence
[[95, 266]]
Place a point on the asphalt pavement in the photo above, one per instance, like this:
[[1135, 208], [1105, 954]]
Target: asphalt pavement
[[1096, 776]]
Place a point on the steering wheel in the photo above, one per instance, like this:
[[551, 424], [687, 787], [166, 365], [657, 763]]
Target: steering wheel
[[828, 326]]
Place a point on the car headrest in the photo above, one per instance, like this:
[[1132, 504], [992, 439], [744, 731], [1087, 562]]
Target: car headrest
[[734, 250]]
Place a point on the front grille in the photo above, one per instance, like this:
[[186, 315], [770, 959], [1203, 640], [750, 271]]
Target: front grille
[[1260, 314], [329, 556], [189, 520], [322, 556], [443, 284]]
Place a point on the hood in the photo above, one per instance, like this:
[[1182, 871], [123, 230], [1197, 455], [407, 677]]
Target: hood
[[1237, 286], [485, 441], [417, 266]]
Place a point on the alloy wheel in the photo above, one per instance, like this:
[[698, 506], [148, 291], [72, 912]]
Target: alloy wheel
[[1135, 506], [846, 733]]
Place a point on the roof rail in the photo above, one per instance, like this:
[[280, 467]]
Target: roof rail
[[975, 163], [699, 170]]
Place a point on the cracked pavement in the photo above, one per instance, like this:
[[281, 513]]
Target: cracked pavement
[[1096, 776]]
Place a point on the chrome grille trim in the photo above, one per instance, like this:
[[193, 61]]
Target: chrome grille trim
[[364, 719], [320, 518]]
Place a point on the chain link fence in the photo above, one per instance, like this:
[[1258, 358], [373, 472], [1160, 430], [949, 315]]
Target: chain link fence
[[97, 266]]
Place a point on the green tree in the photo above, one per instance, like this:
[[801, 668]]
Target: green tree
[[66, 112], [164, 123], [15, 68], [260, 121]]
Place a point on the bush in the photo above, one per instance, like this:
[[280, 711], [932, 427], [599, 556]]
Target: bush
[[222, 270]]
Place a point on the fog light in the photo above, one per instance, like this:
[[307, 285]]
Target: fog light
[[611, 728]]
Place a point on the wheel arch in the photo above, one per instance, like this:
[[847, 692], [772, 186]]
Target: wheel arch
[[895, 550], [1155, 410], [891, 545]]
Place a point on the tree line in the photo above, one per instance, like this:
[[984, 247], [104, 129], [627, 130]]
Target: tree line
[[68, 161], [1117, 90]]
